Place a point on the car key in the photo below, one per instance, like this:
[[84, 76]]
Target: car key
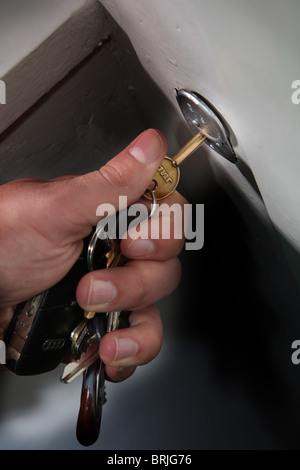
[[38, 338], [39, 335]]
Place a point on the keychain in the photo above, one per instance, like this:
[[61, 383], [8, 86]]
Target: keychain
[[50, 324]]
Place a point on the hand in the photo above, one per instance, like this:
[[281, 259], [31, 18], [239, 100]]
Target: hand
[[43, 223]]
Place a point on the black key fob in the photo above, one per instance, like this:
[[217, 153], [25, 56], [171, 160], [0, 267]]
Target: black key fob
[[39, 335]]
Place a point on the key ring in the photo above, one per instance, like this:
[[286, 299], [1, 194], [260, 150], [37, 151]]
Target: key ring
[[100, 230], [93, 385]]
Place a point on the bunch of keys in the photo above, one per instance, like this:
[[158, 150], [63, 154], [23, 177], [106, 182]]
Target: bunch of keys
[[46, 327], [85, 344]]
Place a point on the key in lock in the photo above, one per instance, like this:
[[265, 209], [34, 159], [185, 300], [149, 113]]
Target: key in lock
[[209, 127]]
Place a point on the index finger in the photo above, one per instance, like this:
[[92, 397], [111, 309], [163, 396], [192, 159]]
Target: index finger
[[160, 237]]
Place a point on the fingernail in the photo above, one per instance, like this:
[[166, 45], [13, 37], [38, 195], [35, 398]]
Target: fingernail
[[125, 348], [148, 147], [140, 248], [101, 292]]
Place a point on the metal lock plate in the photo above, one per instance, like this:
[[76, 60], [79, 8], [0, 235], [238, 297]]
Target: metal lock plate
[[201, 116]]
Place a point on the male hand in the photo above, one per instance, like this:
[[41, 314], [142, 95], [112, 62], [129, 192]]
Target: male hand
[[43, 224]]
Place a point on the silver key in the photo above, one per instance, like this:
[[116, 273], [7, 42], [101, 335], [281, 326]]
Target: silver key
[[113, 320], [87, 346], [86, 336]]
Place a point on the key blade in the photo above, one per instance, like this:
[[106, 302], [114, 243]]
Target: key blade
[[190, 147], [74, 369], [113, 320]]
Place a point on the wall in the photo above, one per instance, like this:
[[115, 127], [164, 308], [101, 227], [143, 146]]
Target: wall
[[244, 286], [243, 57]]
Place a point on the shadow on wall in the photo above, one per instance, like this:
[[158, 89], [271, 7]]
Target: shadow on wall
[[248, 337]]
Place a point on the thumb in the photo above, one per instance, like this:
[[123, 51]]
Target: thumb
[[128, 174]]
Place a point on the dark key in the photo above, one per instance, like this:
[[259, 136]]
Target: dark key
[[39, 335]]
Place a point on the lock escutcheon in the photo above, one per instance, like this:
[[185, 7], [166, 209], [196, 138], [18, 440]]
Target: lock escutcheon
[[201, 116]]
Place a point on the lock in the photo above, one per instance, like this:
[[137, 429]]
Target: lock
[[209, 127], [202, 117]]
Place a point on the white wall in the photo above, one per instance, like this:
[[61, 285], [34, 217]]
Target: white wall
[[40, 43], [243, 57]]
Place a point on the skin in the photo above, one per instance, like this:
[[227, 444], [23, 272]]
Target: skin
[[43, 223]]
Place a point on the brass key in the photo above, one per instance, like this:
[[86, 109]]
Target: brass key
[[167, 176]]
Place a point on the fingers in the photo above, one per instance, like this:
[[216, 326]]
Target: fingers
[[125, 349], [160, 237], [128, 174], [107, 290]]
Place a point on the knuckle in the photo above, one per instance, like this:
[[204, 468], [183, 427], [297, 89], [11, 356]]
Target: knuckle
[[177, 270], [157, 344], [174, 277], [113, 175], [141, 291], [151, 348]]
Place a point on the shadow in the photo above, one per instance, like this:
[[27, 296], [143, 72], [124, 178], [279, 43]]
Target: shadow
[[248, 337]]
